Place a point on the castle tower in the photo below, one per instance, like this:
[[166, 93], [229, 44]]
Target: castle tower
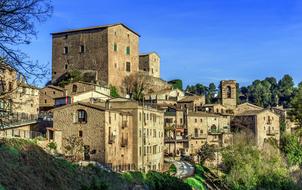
[[228, 93]]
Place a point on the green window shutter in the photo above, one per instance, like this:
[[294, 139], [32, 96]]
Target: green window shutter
[[128, 50]]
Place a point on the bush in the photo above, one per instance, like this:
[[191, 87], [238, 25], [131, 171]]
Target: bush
[[52, 145], [114, 92]]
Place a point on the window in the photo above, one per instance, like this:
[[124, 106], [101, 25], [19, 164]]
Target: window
[[66, 36], [196, 132], [180, 120], [195, 120], [74, 88], [200, 120], [82, 48], [80, 133], [115, 47], [65, 50], [128, 67], [229, 92], [10, 86], [128, 50], [66, 66], [45, 101], [82, 116], [152, 71], [54, 92]]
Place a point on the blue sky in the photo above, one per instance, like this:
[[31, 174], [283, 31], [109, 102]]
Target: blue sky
[[199, 41]]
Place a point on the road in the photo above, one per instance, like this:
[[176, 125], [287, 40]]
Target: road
[[183, 169]]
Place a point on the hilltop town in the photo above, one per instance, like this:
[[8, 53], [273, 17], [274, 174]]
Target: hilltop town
[[108, 105], [93, 98]]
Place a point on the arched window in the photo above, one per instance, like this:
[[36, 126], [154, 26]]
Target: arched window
[[229, 92], [74, 88], [82, 116]]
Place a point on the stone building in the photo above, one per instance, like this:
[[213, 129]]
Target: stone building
[[214, 108], [148, 138], [150, 63], [111, 50], [106, 134], [263, 124], [290, 126], [206, 127], [228, 92], [118, 133], [47, 96], [81, 87], [186, 132], [26, 99], [192, 103], [18, 95], [165, 97]]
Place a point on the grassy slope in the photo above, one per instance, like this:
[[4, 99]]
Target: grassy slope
[[23, 165]]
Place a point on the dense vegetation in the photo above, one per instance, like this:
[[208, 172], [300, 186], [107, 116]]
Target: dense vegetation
[[266, 93], [24, 165], [247, 167]]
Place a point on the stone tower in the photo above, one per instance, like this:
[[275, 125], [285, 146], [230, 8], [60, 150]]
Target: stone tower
[[228, 93]]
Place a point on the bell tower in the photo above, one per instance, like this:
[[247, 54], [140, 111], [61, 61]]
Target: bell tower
[[228, 90]]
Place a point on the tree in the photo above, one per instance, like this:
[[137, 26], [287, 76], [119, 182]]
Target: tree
[[212, 92], [295, 113], [136, 85], [247, 167], [206, 152], [292, 149], [286, 90], [74, 147], [17, 27], [177, 84]]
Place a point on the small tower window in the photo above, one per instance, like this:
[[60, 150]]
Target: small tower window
[[65, 50], [229, 92], [128, 67], [82, 48], [128, 50], [115, 47]]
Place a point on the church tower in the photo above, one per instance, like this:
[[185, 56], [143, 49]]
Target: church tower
[[228, 94]]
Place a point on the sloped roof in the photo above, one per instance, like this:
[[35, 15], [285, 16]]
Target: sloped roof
[[190, 98], [254, 112], [203, 114], [251, 105], [55, 87], [94, 28], [86, 104]]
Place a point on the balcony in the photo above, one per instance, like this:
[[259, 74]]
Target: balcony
[[199, 136], [178, 139], [271, 132]]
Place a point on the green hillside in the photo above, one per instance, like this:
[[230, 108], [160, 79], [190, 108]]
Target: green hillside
[[26, 166]]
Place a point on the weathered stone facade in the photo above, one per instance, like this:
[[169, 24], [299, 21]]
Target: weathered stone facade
[[150, 63], [263, 124], [228, 94], [111, 50], [21, 97], [192, 103], [47, 96], [148, 138], [106, 134]]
